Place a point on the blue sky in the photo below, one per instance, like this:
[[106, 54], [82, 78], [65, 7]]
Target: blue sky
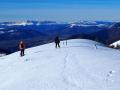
[[59, 10]]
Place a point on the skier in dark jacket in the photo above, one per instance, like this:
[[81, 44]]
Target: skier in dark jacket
[[22, 48], [57, 42]]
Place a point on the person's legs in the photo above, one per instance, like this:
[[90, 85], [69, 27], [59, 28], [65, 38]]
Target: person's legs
[[59, 45], [56, 45], [21, 52]]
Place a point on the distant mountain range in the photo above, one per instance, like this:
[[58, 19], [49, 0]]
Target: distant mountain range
[[37, 33]]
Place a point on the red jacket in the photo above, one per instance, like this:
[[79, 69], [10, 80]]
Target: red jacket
[[22, 45]]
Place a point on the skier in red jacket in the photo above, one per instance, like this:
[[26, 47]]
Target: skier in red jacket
[[22, 48]]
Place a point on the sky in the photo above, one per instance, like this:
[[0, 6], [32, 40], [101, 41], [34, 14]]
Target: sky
[[59, 10]]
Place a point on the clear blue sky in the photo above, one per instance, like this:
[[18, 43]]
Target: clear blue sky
[[59, 10]]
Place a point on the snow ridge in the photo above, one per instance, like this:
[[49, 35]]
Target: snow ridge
[[77, 66]]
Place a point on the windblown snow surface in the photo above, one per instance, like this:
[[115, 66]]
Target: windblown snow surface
[[116, 43], [77, 66]]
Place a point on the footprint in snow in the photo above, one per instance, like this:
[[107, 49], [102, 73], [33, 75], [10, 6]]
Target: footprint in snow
[[27, 59], [109, 75]]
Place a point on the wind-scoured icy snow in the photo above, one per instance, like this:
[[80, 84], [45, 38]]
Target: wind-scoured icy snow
[[77, 66]]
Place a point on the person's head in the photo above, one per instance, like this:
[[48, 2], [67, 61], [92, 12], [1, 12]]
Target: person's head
[[21, 42], [57, 36]]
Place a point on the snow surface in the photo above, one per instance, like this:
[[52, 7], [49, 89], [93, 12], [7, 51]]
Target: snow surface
[[115, 43], [2, 54], [86, 25], [11, 31], [2, 32], [2, 28], [78, 66], [23, 23]]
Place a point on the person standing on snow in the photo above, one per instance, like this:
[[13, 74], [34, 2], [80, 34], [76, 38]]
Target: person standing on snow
[[22, 48], [57, 42]]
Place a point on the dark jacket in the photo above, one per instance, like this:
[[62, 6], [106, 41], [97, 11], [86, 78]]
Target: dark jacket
[[57, 40]]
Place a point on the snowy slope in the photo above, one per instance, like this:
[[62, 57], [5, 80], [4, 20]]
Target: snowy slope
[[116, 43], [78, 66], [2, 54]]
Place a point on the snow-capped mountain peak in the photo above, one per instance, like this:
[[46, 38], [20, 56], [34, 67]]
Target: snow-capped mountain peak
[[89, 24]]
